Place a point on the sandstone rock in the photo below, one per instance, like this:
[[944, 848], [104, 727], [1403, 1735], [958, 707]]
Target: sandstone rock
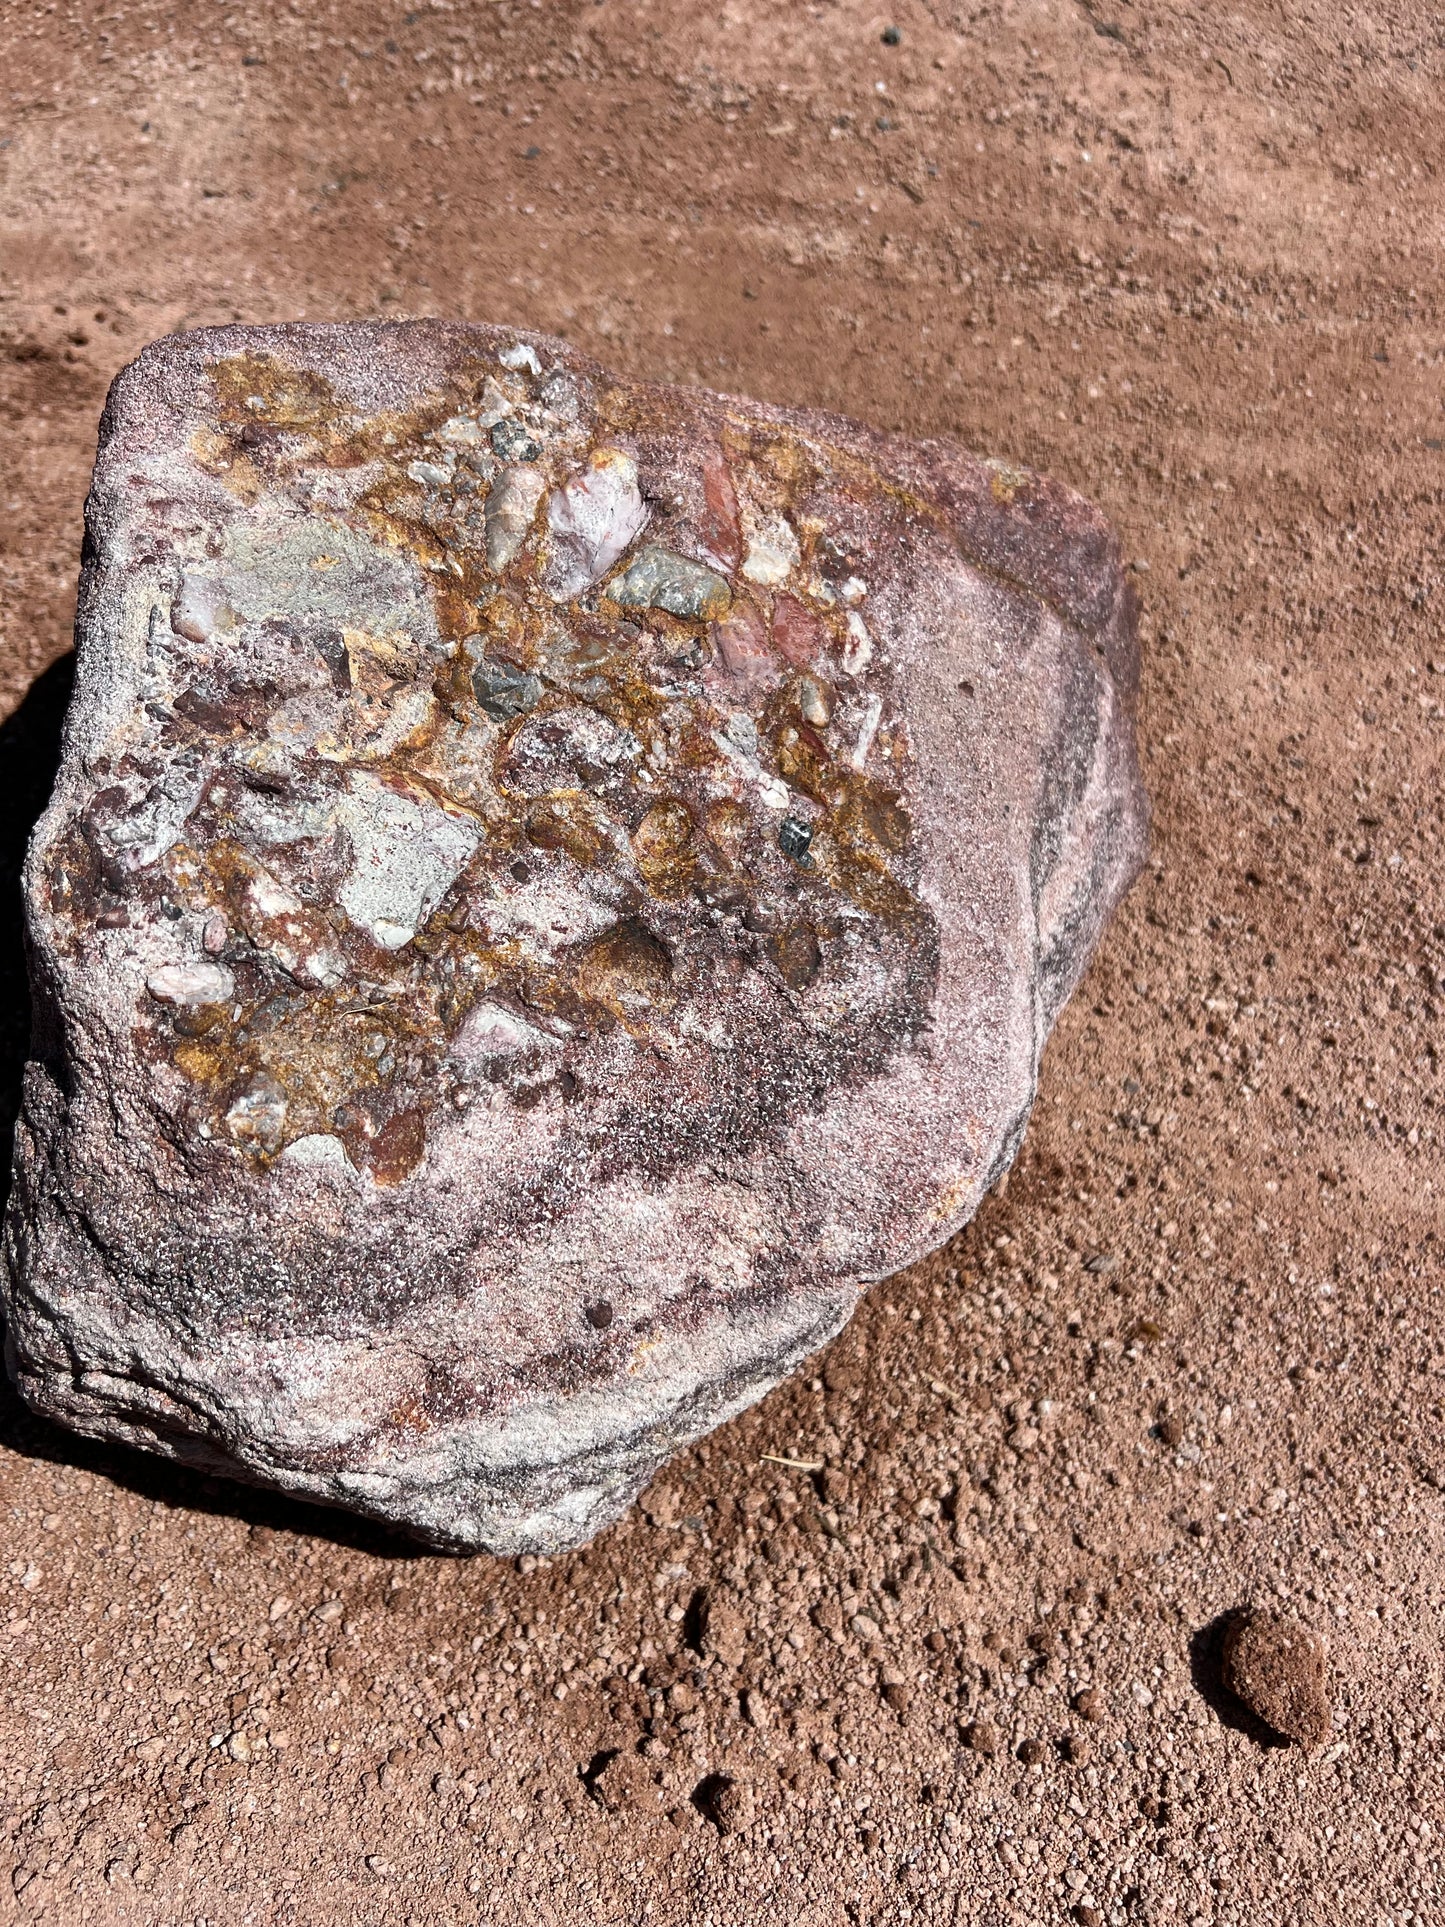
[[553, 886]]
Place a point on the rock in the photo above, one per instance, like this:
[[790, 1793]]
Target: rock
[[1276, 1666], [511, 443], [621, 1780], [813, 704], [773, 551], [192, 984], [795, 837], [726, 1802], [510, 508], [658, 579], [502, 687], [723, 1630], [981, 1737], [593, 516], [504, 986]]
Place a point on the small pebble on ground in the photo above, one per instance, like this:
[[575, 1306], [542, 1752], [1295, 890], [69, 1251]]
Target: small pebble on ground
[[1276, 1666]]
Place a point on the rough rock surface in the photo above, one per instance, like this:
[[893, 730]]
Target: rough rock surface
[[1277, 1667], [553, 886]]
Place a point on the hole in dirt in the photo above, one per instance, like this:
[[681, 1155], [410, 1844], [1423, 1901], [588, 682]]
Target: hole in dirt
[[694, 1621], [598, 1765]]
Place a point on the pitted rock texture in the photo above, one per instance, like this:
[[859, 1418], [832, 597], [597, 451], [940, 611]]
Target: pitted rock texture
[[554, 885]]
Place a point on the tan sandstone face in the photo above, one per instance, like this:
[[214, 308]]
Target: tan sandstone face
[[510, 750]]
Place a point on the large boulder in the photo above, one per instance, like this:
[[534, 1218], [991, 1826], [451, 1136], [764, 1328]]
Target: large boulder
[[554, 885]]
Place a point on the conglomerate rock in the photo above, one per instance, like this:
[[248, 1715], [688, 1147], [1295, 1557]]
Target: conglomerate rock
[[554, 884]]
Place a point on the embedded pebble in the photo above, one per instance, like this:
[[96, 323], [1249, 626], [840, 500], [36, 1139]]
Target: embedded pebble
[[511, 443], [594, 517], [504, 689], [794, 837], [521, 355], [658, 579], [773, 553], [494, 405], [191, 985], [510, 509], [858, 649], [813, 703], [258, 1115]]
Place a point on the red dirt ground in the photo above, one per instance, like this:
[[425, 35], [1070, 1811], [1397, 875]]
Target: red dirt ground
[[1188, 259]]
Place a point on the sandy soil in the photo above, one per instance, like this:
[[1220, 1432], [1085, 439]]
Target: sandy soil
[[1188, 259]]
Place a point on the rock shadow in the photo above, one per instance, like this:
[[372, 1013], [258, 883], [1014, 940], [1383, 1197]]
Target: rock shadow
[[180, 1489], [1206, 1669], [709, 1796], [29, 758]]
